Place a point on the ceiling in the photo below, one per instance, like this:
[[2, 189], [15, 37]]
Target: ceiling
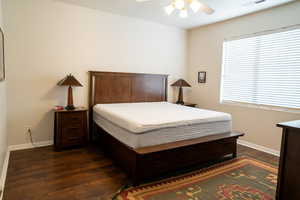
[[154, 10]]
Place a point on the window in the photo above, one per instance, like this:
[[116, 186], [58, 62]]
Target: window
[[263, 69]]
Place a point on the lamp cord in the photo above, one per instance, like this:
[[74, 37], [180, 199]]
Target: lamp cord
[[30, 137]]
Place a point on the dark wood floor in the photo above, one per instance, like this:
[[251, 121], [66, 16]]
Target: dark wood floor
[[85, 174]]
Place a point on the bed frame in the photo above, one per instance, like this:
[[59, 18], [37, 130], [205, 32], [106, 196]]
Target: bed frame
[[149, 162]]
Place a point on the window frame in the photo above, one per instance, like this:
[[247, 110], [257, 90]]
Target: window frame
[[254, 105]]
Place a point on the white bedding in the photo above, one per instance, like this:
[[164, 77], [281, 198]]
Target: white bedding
[[149, 116], [161, 136]]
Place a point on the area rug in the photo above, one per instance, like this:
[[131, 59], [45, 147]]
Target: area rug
[[238, 179]]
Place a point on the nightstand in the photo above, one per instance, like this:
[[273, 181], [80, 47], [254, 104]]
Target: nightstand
[[70, 128]]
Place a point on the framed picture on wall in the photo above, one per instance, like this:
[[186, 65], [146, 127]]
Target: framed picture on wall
[[2, 63], [202, 77]]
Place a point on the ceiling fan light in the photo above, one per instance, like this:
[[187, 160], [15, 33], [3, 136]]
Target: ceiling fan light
[[183, 13], [179, 4], [195, 5], [169, 9]]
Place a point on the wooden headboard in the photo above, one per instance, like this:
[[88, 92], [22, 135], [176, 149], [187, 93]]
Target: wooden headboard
[[117, 87]]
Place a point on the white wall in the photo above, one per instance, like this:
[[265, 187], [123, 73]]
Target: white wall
[[205, 54], [47, 39], [3, 130]]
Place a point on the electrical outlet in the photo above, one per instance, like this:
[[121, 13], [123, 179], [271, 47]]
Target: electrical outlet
[[27, 128]]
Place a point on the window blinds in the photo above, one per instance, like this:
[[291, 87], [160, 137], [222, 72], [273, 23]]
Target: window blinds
[[263, 69]]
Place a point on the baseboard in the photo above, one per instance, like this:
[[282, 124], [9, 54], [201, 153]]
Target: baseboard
[[4, 172], [259, 147], [29, 145]]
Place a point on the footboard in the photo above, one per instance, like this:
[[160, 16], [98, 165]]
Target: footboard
[[150, 162]]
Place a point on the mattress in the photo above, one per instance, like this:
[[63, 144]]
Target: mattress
[[162, 135], [148, 116]]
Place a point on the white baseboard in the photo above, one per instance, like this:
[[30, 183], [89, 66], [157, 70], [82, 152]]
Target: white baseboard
[[29, 145], [4, 172], [259, 147]]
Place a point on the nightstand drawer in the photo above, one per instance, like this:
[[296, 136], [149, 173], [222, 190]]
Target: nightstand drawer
[[72, 142], [72, 119], [70, 128], [72, 132]]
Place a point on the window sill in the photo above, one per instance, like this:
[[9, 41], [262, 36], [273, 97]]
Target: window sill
[[262, 107]]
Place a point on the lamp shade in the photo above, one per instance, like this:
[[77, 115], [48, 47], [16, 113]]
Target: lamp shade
[[69, 80], [181, 83]]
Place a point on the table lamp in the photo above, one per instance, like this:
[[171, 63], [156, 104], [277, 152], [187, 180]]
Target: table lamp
[[180, 83], [70, 81]]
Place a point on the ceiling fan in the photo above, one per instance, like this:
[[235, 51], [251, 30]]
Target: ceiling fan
[[183, 6]]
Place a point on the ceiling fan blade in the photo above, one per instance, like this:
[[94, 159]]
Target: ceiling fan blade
[[142, 0], [206, 9]]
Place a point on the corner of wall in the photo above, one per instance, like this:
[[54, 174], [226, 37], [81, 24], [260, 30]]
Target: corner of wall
[[4, 153], [4, 173]]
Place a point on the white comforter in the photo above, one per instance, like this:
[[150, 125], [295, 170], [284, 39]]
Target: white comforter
[[142, 117]]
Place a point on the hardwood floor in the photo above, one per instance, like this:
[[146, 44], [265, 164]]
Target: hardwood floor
[[85, 174]]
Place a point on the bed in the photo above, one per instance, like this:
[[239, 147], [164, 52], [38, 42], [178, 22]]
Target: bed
[[124, 113]]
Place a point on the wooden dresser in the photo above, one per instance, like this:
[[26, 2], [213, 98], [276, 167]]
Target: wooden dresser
[[288, 187], [70, 128]]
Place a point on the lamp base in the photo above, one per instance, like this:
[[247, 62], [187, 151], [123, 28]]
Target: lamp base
[[180, 97], [180, 102], [70, 107]]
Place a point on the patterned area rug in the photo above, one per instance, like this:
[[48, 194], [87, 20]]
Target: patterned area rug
[[238, 179]]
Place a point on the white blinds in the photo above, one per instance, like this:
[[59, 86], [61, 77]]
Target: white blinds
[[263, 69]]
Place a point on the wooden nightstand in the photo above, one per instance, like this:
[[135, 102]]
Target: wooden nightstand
[[70, 128]]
